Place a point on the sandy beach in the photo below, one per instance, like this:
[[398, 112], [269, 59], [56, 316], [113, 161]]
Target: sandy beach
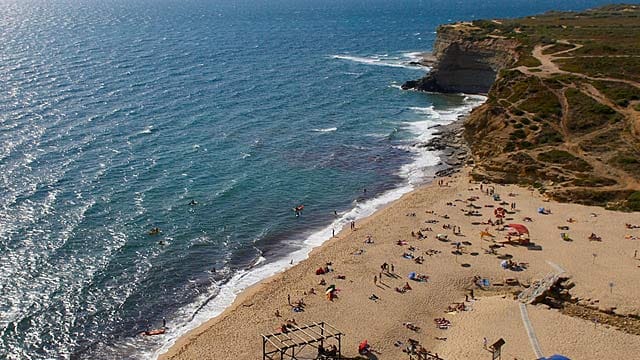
[[604, 272]]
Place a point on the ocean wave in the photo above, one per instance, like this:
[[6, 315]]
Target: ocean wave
[[380, 61], [331, 129], [424, 110], [147, 130]]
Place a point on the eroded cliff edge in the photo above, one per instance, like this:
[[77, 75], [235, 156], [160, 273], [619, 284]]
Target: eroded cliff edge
[[463, 63], [563, 108]]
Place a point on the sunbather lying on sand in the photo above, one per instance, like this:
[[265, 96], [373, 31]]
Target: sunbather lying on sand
[[456, 307], [406, 287], [411, 326], [594, 237], [442, 323]]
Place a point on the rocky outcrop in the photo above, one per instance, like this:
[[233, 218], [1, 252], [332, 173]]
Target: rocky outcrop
[[465, 64]]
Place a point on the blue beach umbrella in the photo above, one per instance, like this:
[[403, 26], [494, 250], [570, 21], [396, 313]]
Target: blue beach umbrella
[[556, 357]]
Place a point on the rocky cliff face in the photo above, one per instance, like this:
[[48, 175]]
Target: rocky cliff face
[[465, 64]]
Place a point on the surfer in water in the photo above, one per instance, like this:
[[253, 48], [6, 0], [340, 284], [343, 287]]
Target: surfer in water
[[193, 203], [298, 209]]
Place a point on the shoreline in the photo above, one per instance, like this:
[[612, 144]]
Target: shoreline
[[446, 143], [235, 333]]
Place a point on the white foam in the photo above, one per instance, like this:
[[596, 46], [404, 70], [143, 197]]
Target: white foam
[[218, 297], [425, 110], [147, 130], [331, 129], [414, 56], [380, 61]]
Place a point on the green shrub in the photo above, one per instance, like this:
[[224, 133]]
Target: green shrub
[[511, 146], [634, 196], [568, 160], [586, 114], [519, 134]]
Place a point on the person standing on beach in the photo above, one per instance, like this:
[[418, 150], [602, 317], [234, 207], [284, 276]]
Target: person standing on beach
[[375, 280], [289, 299], [484, 342]]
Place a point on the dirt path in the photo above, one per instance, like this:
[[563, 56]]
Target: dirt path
[[549, 68]]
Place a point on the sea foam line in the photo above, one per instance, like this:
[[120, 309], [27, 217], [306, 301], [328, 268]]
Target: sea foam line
[[381, 61]]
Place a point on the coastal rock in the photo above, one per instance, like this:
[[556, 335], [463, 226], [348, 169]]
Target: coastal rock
[[464, 65]]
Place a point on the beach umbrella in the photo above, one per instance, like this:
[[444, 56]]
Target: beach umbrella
[[331, 287], [412, 275], [521, 229], [557, 357], [363, 346]]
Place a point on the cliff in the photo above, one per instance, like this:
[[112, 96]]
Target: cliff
[[465, 64], [563, 108]]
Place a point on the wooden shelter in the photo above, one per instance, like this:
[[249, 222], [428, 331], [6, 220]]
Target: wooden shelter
[[291, 343]]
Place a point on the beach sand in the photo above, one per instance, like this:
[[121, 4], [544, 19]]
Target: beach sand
[[236, 334]]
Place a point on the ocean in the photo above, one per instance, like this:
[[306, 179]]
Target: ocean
[[209, 120]]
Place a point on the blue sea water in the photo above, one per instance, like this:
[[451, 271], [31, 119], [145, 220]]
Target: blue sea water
[[115, 114]]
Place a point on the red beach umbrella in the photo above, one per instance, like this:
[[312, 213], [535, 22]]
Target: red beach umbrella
[[521, 229], [363, 346]]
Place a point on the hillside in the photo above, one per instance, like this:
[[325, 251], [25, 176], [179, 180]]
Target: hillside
[[563, 108]]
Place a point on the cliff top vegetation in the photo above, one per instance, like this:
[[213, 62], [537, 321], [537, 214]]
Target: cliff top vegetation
[[565, 115]]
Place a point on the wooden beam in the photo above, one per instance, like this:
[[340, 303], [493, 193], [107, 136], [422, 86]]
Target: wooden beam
[[338, 331], [304, 332], [301, 338], [272, 343]]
